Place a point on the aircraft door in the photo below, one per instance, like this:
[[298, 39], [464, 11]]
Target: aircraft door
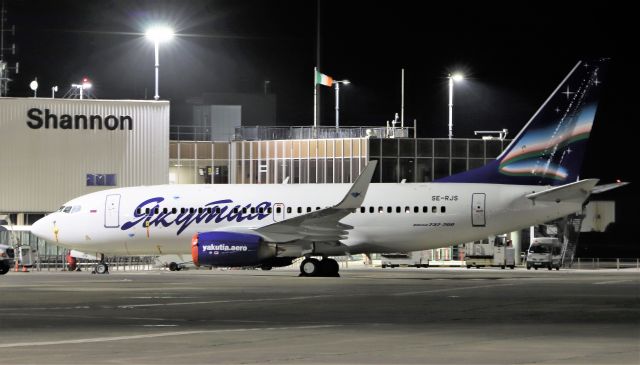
[[278, 212], [112, 211], [478, 218]]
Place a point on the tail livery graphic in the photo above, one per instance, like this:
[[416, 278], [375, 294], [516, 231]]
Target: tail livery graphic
[[550, 148]]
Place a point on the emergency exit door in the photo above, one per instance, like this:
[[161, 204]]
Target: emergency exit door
[[112, 211], [478, 218]]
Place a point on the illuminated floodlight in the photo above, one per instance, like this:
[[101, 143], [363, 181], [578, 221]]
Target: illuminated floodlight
[[457, 77], [159, 34]]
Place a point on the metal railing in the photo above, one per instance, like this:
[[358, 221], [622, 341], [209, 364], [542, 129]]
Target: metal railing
[[116, 263], [594, 263], [308, 132], [256, 133]]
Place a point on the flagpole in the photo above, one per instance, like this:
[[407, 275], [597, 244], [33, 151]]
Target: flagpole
[[315, 98]]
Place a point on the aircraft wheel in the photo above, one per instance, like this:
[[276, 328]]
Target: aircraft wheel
[[310, 267], [102, 268], [266, 267], [173, 266], [330, 267], [557, 268]]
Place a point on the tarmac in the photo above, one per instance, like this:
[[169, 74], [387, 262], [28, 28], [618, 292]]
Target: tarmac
[[367, 316]]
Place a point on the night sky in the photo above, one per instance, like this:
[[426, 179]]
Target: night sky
[[514, 54]]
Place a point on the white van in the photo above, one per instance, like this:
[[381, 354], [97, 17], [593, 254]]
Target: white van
[[544, 252]]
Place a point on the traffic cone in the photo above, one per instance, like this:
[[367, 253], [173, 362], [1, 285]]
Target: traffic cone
[[16, 268], [24, 268]]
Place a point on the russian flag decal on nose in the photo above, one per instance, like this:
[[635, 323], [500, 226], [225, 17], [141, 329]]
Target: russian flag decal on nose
[[93, 211]]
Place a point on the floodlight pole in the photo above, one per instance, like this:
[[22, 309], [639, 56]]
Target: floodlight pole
[[156, 45], [337, 105], [450, 106]]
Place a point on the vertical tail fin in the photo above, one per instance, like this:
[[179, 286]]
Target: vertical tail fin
[[550, 148]]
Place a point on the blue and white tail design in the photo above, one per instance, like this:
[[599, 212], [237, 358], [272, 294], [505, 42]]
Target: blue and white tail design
[[550, 148]]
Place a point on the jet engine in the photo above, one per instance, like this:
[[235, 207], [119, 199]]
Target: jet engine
[[234, 249]]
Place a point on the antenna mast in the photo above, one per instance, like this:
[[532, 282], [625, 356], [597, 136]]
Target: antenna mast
[[4, 65]]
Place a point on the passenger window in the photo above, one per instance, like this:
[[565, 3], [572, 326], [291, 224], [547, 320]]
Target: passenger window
[[236, 209], [380, 209], [253, 210], [138, 211], [434, 209], [147, 211], [425, 209], [165, 210], [200, 210], [407, 209], [308, 209], [260, 210], [183, 210], [157, 210], [244, 210], [317, 208], [278, 210], [209, 210], [299, 210], [416, 209], [372, 210], [443, 209], [398, 209], [192, 210], [288, 210], [174, 210], [389, 209], [363, 209], [218, 210]]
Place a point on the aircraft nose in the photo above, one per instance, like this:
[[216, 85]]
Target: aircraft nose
[[41, 228]]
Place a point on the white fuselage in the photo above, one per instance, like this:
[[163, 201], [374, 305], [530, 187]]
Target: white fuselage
[[422, 215]]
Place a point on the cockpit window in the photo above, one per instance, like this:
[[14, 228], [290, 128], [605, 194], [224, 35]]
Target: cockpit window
[[61, 208], [75, 209], [67, 209]]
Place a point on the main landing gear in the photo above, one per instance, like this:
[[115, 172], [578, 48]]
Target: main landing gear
[[314, 267]]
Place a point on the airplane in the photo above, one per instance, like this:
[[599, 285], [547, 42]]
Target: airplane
[[534, 180]]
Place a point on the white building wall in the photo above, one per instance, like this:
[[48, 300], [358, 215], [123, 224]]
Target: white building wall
[[40, 169]]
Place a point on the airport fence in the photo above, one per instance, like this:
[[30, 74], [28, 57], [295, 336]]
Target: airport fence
[[116, 263], [594, 263]]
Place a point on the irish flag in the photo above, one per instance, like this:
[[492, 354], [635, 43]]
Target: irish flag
[[323, 79]]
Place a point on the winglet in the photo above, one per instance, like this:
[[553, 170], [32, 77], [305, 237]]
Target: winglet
[[356, 194]]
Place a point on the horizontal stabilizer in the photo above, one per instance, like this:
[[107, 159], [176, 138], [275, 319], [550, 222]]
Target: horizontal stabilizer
[[579, 190], [602, 188]]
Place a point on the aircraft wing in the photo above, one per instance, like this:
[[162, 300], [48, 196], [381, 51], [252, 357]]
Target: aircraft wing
[[322, 225]]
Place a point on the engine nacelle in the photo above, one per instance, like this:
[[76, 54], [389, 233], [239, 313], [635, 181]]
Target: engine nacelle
[[229, 249]]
